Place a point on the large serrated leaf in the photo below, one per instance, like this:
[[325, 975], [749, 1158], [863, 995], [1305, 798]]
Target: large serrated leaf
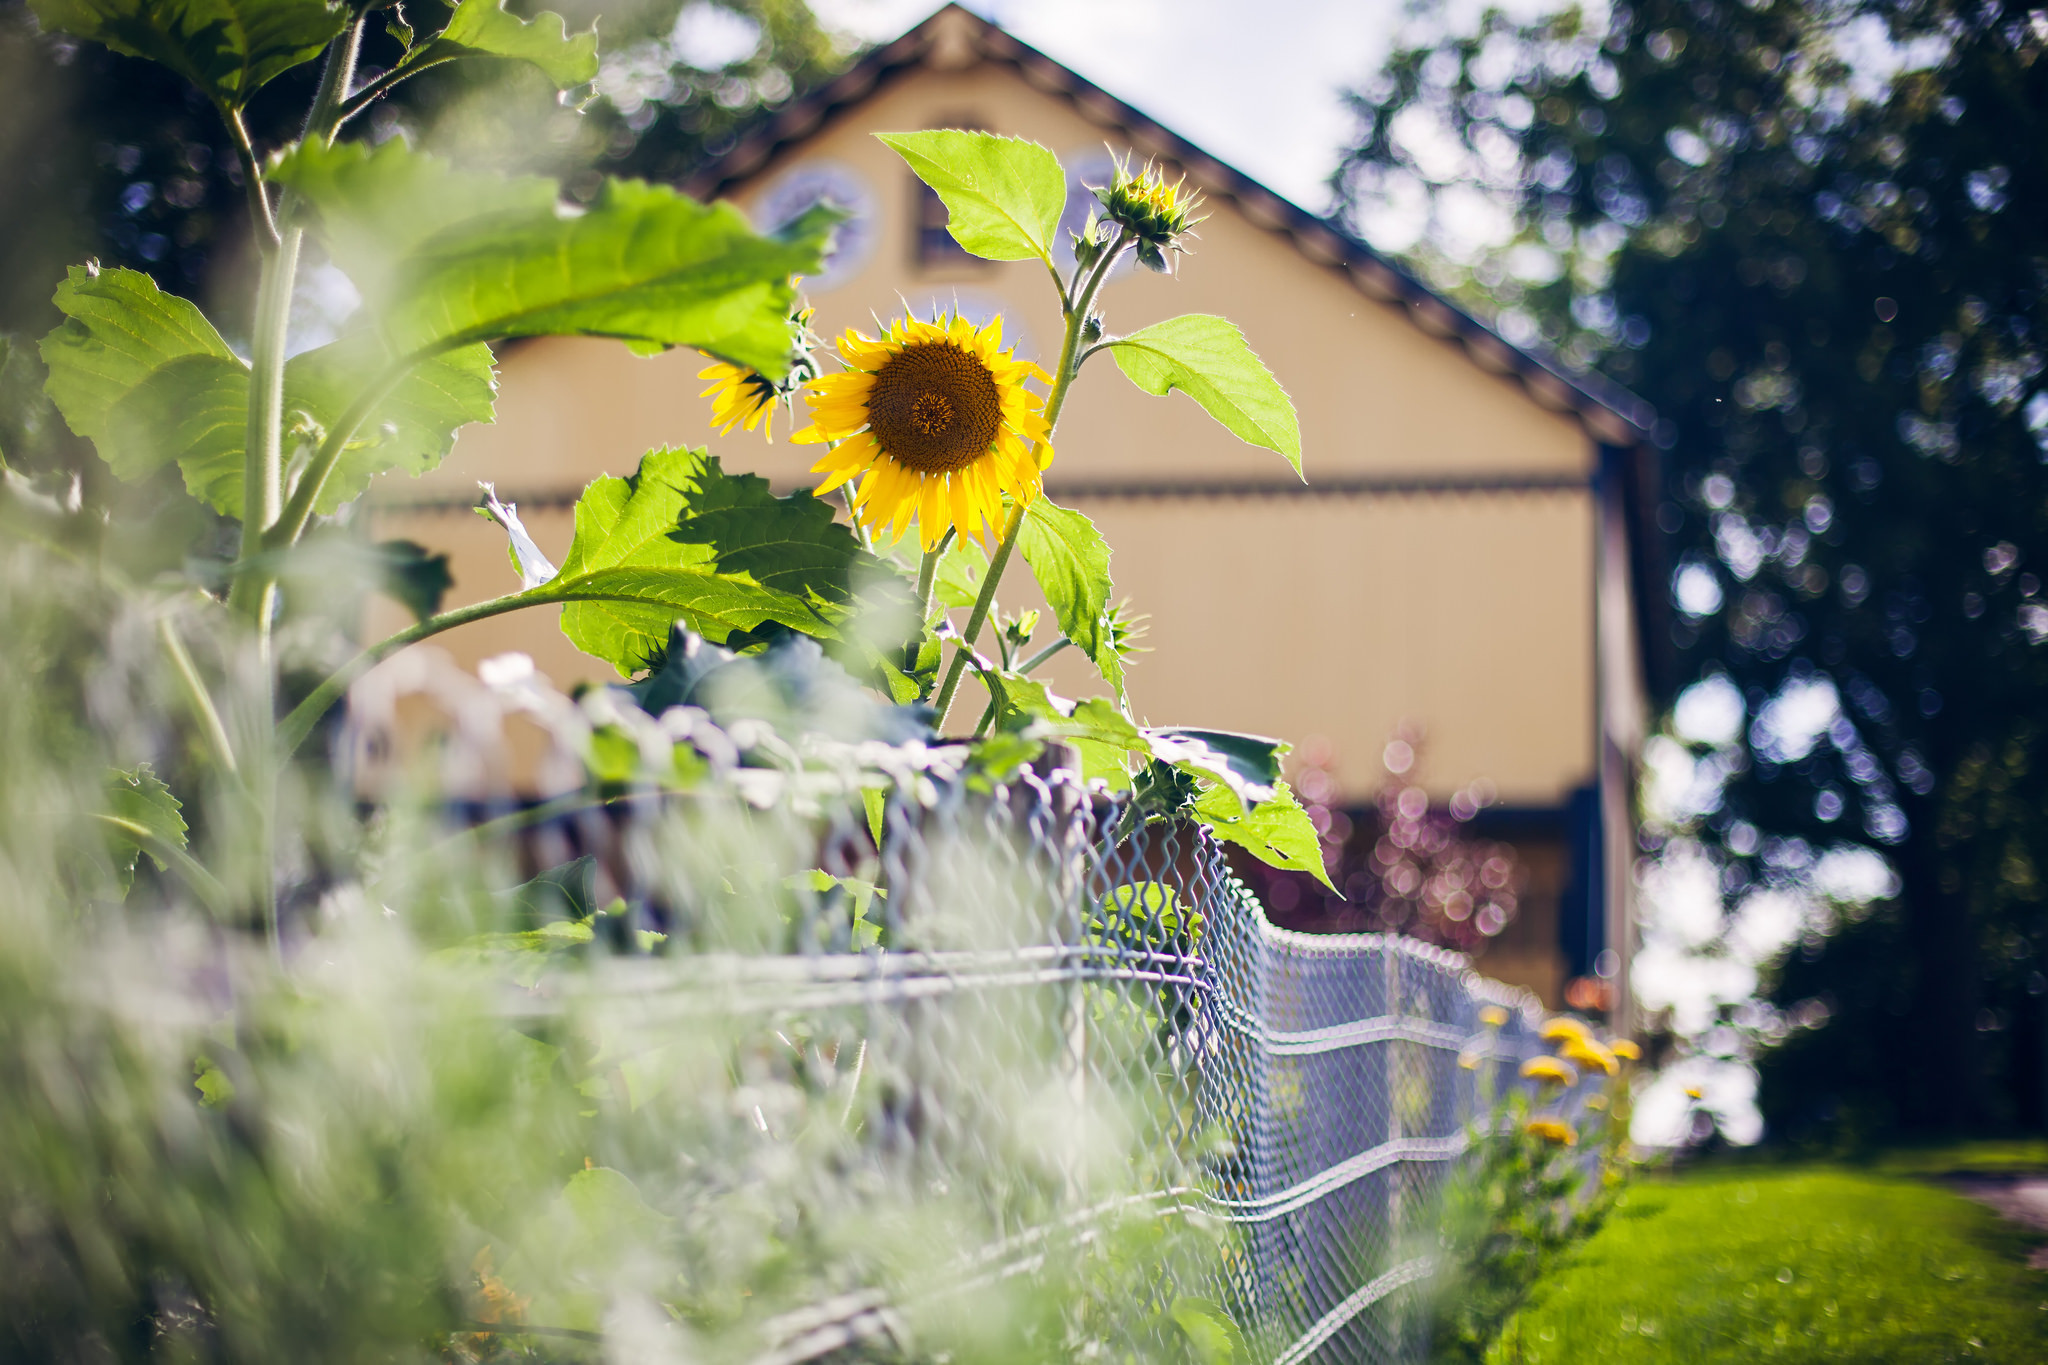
[[119, 329], [1276, 831], [445, 258], [1003, 195], [1070, 560], [410, 431], [788, 543], [194, 411], [139, 799], [228, 48], [1207, 359], [683, 540], [1248, 764], [483, 28]]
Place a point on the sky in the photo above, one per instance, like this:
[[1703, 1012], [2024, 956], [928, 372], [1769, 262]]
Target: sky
[[1255, 83]]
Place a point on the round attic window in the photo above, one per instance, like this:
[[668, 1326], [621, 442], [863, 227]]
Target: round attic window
[[825, 182]]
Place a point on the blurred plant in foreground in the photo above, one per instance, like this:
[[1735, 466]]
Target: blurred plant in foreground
[[288, 1077]]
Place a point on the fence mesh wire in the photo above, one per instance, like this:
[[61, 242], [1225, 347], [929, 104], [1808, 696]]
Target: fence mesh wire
[[1041, 980]]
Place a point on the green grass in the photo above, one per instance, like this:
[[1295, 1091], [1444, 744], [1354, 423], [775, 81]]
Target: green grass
[[1788, 1266]]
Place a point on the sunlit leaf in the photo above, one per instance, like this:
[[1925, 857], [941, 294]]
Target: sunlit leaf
[[961, 571], [194, 410], [228, 48], [446, 258], [1207, 359], [483, 28], [119, 329], [1004, 195], [1213, 1338], [1248, 764], [1277, 831], [138, 797], [1070, 560], [681, 540], [410, 431]]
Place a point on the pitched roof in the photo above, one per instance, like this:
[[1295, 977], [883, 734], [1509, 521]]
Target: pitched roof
[[954, 38]]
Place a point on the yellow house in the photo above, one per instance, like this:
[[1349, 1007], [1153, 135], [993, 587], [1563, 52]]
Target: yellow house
[[1467, 554]]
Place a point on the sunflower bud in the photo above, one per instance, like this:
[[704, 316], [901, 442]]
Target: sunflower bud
[[1156, 216]]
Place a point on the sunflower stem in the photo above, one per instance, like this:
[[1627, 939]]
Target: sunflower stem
[[1063, 378], [927, 577]]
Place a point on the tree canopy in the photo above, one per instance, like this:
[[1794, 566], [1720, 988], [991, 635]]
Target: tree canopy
[[1829, 278]]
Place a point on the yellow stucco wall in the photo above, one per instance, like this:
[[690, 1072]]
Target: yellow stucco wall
[[1336, 615]]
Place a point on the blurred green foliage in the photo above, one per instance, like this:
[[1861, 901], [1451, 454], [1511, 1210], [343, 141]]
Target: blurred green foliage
[[118, 158], [1830, 285]]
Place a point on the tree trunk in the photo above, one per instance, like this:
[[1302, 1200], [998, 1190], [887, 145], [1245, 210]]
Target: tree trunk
[[1939, 1086]]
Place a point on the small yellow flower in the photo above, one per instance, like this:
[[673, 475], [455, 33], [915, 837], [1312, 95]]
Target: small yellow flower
[[744, 398], [1624, 1049], [1588, 1055], [1556, 1132], [1469, 1060], [934, 421], [1561, 1026], [1693, 1092], [1549, 1070], [1493, 1016]]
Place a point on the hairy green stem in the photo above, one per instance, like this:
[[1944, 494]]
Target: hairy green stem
[[202, 704], [293, 729], [1063, 378], [291, 522], [927, 575], [377, 88], [1037, 660], [255, 587], [252, 178]]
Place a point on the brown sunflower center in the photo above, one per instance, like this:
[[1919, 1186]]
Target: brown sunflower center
[[934, 407]]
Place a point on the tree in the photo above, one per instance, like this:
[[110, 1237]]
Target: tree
[[1832, 288]]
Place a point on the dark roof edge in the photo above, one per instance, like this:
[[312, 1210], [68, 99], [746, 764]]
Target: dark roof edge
[[1610, 413]]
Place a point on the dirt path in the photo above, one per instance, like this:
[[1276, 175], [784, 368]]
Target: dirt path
[[2021, 1198]]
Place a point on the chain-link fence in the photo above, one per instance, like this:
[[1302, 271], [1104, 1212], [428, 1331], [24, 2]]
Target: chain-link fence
[[1030, 1005]]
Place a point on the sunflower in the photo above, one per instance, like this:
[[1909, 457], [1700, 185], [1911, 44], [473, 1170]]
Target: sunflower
[[745, 398], [934, 421]]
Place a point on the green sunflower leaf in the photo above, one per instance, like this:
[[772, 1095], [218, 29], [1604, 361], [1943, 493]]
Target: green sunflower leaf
[[139, 799], [1207, 359], [194, 411], [682, 540], [1070, 560], [228, 48], [483, 28], [445, 258], [1103, 736], [1248, 764], [1003, 195], [410, 431], [119, 329], [961, 570], [1276, 831]]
